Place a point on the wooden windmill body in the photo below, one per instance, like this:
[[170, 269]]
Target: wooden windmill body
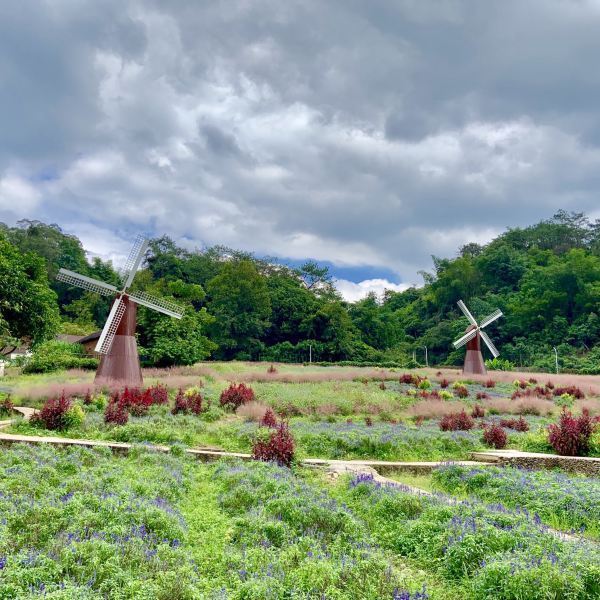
[[474, 364], [117, 345]]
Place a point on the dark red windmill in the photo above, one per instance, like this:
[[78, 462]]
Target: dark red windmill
[[119, 362], [474, 364]]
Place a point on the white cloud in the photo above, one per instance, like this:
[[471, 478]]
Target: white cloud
[[352, 292]]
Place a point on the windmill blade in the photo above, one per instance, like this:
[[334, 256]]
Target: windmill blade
[[466, 312], [110, 327], [486, 338], [465, 338], [490, 318], [158, 304], [87, 283], [135, 258]]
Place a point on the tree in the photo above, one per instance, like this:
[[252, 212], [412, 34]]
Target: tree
[[239, 299], [28, 309], [179, 341]]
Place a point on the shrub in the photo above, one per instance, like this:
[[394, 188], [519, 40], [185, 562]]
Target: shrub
[[53, 414], [75, 416], [368, 422], [116, 412], [135, 401], [6, 406], [478, 412], [159, 394], [236, 395], [181, 405], [571, 435], [446, 395], [490, 383], [519, 424], [407, 378], [382, 385], [88, 398], [195, 402], [271, 369], [444, 383], [54, 355], [495, 436], [269, 419], [424, 384], [461, 391], [482, 396], [456, 422], [571, 390], [277, 447]]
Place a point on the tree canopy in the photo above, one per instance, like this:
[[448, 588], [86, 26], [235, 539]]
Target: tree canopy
[[545, 278]]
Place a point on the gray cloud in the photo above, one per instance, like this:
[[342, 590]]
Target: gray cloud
[[363, 133]]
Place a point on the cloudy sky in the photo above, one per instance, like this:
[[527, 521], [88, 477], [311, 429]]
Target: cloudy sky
[[365, 134]]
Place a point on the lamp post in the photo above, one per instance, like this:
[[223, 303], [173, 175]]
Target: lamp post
[[426, 358], [556, 358]]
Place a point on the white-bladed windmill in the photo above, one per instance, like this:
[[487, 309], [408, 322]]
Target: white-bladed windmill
[[119, 360], [474, 364]]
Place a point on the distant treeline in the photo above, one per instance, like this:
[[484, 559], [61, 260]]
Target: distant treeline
[[545, 278]]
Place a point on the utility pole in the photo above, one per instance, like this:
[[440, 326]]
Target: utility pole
[[426, 358], [310, 353], [556, 358]]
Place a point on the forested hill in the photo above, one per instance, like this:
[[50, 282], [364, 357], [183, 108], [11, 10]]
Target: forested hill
[[545, 278]]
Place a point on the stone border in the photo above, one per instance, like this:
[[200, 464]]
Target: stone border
[[585, 465]]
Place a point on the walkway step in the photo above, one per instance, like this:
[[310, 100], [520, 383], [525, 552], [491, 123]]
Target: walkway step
[[387, 467]]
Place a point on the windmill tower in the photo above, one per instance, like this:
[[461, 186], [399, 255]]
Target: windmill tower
[[119, 361], [474, 364]]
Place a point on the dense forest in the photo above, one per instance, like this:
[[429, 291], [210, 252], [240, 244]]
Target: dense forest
[[545, 278]]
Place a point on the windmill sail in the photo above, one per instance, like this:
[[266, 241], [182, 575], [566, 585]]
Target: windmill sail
[[87, 283], [466, 312], [110, 327], [486, 338], [490, 318], [133, 261], [158, 304], [465, 338]]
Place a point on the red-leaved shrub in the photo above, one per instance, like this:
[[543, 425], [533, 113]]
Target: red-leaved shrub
[[278, 447], [407, 378], [236, 395], [444, 383], [6, 406], [482, 396], [490, 383], [53, 414], [181, 404], [382, 385], [571, 435], [478, 412], [195, 403], [269, 419], [368, 422], [159, 394], [572, 390], [461, 391], [87, 399], [116, 412], [495, 436], [519, 424], [456, 422], [135, 401]]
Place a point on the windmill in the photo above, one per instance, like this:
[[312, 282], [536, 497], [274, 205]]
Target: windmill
[[119, 361], [474, 364]]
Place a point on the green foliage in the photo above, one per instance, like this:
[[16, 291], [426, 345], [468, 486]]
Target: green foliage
[[499, 364], [28, 310], [54, 355], [178, 341]]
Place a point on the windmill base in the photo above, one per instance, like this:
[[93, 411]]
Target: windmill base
[[121, 366], [474, 364]]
